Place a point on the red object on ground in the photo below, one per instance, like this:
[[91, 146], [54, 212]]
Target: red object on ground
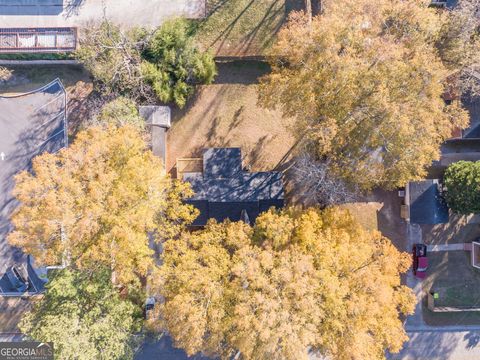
[[420, 261]]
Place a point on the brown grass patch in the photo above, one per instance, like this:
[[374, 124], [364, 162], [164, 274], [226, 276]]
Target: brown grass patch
[[226, 114]]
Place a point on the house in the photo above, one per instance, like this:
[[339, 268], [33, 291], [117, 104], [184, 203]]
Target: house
[[224, 190], [424, 203]]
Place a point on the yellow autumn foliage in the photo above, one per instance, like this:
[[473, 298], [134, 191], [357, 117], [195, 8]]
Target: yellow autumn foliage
[[96, 202], [297, 281], [365, 82]]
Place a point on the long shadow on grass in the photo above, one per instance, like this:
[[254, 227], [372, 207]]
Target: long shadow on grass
[[229, 73], [267, 20]]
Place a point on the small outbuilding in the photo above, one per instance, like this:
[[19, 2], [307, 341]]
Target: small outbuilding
[[158, 119]]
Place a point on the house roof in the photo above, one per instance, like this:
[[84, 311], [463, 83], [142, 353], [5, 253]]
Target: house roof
[[243, 186], [222, 163], [427, 206], [223, 190]]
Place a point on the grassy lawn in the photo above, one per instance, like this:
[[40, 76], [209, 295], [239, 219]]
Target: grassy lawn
[[243, 27], [226, 114], [366, 213], [451, 275], [454, 278]]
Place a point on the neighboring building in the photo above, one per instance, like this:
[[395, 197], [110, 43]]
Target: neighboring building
[[224, 190], [424, 203], [450, 4]]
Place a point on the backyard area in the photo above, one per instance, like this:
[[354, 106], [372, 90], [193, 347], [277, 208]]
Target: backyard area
[[380, 210], [243, 27], [457, 283], [226, 114]]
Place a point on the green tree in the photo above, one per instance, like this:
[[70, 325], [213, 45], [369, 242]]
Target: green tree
[[174, 64], [298, 281], [365, 83], [462, 181], [96, 202], [120, 112], [84, 316]]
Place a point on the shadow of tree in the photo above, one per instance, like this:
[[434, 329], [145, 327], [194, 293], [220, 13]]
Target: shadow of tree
[[72, 8], [234, 37], [459, 229], [472, 339]]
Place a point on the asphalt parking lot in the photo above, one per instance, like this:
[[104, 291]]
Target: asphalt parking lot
[[30, 124]]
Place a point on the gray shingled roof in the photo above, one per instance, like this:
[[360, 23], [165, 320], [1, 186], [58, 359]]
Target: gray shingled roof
[[427, 206], [223, 190]]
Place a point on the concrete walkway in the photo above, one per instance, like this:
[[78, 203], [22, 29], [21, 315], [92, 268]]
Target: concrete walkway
[[439, 344], [446, 247], [129, 13]]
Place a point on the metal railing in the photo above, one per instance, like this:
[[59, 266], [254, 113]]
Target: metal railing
[[15, 40]]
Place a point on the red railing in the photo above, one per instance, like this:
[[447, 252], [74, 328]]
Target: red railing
[[14, 40]]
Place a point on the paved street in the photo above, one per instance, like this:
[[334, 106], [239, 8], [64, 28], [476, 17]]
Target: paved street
[[34, 13], [29, 125], [441, 344]]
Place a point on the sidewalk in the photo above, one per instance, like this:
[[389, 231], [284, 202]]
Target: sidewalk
[[446, 247]]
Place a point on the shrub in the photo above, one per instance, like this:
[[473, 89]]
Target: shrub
[[174, 65], [120, 112], [462, 181]]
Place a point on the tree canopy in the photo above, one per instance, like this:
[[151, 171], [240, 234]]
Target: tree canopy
[[84, 316], [297, 281], [174, 64], [365, 82], [97, 202], [462, 182], [120, 112], [459, 46], [113, 57], [164, 65]]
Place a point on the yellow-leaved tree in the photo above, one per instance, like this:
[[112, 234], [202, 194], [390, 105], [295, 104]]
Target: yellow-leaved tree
[[365, 82], [296, 282], [96, 203]]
